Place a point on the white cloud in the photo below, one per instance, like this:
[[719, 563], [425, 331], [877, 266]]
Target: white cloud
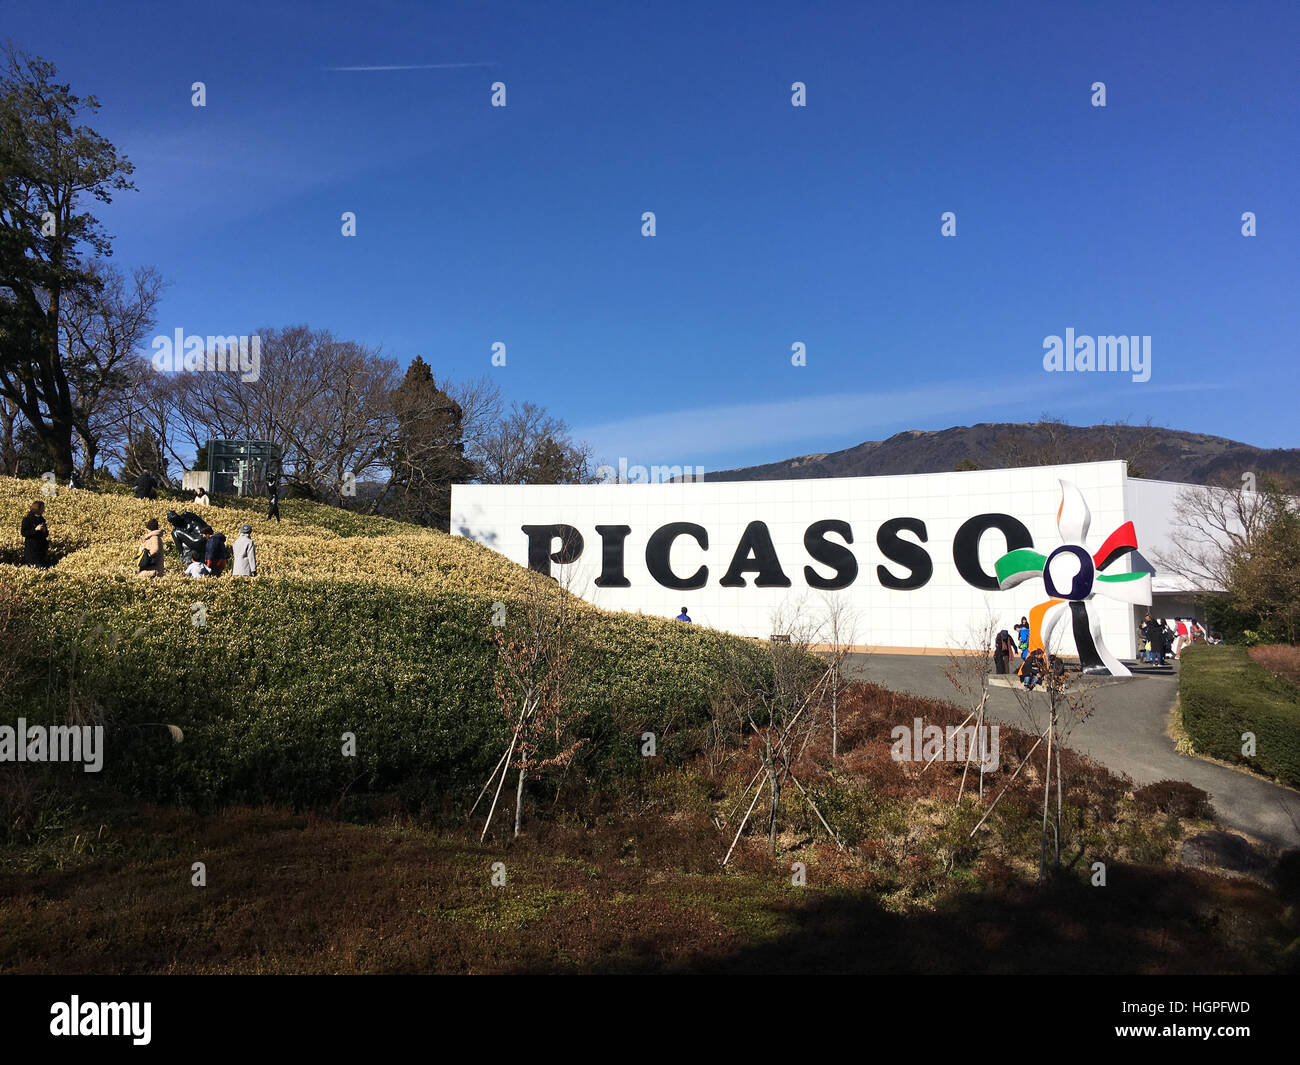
[[416, 66], [830, 421]]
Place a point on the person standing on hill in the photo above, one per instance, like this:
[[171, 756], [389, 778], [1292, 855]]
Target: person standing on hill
[[273, 493], [150, 562], [1022, 634], [683, 616], [146, 486], [245, 553], [36, 536]]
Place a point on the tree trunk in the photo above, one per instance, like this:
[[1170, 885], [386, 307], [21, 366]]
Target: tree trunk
[[519, 801], [8, 453], [775, 785], [89, 452], [835, 706], [1058, 806], [1047, 791]]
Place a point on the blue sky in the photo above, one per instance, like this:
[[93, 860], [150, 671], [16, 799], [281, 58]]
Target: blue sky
[[775, 224]]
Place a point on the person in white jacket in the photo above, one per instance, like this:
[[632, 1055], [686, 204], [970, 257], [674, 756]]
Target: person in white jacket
[[245, 553]]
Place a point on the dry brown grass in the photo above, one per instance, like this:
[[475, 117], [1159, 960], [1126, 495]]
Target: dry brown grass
[[635, 886], [291, 893], [1280, 659]]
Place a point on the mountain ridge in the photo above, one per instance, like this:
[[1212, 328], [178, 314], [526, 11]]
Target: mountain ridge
[[1153, 452]]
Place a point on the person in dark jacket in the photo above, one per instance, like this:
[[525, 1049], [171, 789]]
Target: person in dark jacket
[[273, 494], [36, 536], [1004, 646], [1033, 669], [216, 553], [1150, 637], [146, 487], [1166, 640], [188, 533]]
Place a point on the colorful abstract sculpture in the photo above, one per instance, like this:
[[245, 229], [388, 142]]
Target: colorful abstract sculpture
[[1071, 577]]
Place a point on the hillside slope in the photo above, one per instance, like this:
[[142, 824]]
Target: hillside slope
[[357, 625]]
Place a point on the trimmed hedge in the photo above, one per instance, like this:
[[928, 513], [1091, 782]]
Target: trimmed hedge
[[1224, 694], [365, 626]]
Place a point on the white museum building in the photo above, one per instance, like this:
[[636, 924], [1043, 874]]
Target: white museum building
[[924, 561]]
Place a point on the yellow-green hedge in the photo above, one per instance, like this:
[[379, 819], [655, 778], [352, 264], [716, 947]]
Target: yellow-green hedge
[[369, 626]]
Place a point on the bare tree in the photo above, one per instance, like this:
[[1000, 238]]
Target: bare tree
[[528, 446], [1052, 441], [102, 327], [968, 671], [536, 645], [481, 408], [1216, 526], [325, 402], [772, 689], [839, 631], [1069, 700]]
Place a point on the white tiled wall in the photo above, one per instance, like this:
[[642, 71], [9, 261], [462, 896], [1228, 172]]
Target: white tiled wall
[[943, 613]]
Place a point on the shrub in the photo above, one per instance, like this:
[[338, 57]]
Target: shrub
[[362, 626], [1174, 797], [1224, 695]]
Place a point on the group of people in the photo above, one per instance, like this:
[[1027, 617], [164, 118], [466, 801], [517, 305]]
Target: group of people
[[1034, 666], [207, 554], [203, 550], [208, 559], [1157, 640]]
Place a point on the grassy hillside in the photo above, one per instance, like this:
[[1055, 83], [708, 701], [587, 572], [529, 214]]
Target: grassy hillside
[[357, 625]]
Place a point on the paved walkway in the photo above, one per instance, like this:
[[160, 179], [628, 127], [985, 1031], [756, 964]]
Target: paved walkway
[[1125, 733]]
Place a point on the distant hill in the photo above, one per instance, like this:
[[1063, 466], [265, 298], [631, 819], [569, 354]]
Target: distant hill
[[1151, 451]]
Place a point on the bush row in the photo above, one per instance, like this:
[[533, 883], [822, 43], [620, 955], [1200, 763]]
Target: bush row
[[265, 689], [1224, 694]]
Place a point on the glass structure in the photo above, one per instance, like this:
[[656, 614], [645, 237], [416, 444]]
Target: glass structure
[[242, 467]]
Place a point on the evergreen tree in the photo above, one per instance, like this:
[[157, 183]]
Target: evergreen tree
[[426, 452]]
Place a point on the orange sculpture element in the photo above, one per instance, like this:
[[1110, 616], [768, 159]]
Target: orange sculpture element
[[1036, 624]]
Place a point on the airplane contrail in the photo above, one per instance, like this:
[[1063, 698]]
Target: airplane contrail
[[416, 66]]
